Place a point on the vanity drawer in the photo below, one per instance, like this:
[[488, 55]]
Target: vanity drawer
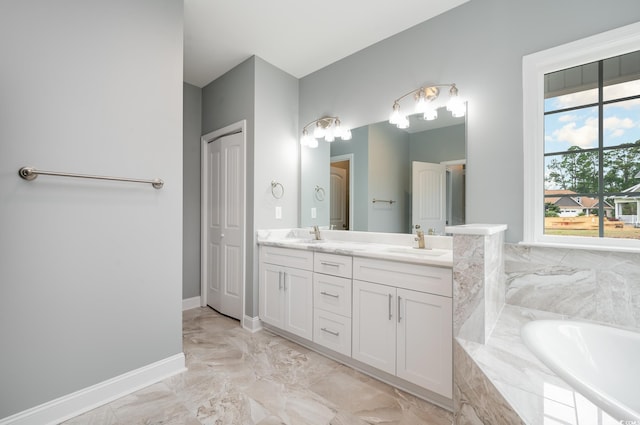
[[416, 277], [332, 331], [332, 294], [295, 258], [333, 264]]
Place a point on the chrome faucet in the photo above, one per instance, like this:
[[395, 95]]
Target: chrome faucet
[[419, 237], [316, 232]]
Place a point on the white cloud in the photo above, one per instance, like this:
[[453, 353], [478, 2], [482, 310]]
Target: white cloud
[[584, 137], [616, 126]]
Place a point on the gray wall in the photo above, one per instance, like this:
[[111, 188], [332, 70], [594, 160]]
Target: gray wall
[[479, 46], [268, 99], [389, 179], [91, 270], [192, 125], [439, 144]]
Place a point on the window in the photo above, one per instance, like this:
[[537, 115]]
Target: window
[[582, 142]]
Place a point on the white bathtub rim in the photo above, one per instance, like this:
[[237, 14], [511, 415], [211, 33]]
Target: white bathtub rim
[[533, 334]]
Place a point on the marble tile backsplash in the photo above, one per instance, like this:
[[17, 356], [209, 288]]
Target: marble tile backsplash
[[602, 286]]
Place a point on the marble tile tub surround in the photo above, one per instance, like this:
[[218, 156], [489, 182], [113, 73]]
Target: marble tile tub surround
[[502, 382], [478, 279], [602, 286], [242, 378]]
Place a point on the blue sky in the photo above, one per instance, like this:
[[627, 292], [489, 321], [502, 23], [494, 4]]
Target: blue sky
[[580, 127]]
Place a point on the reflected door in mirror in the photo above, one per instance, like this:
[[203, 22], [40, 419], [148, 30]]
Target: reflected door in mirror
[[428, 196], [339, 205]]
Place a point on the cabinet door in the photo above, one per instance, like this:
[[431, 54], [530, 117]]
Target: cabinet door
[[298, 290], [271, 293], [424, 350], [374, 325]]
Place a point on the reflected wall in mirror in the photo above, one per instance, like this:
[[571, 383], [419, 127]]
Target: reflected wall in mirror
[[387, 179]]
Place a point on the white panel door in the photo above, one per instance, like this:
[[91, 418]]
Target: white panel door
[[298, 290], [428, 196], [225, 221], [374, 326], [338, 198], [424, 345]]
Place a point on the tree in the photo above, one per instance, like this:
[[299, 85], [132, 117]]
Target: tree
[[551, 210]]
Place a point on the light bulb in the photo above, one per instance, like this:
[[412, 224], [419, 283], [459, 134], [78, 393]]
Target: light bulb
[[313, 142], [395, 117]]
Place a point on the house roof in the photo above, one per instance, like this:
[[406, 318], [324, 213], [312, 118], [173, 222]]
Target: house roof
[[580, 201]]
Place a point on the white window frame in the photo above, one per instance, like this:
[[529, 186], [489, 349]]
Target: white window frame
[[534, 67]]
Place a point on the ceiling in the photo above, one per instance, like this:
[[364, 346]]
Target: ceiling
[[297, 36]]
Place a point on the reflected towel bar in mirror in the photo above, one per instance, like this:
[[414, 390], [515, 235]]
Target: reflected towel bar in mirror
[[382, 200], [30, 173]]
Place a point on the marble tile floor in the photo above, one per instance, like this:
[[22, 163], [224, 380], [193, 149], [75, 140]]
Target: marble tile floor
[[236, 377]]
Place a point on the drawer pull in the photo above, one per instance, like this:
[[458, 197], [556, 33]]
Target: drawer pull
[[390, 315], [324, 263], [328, 294], [330, 331]]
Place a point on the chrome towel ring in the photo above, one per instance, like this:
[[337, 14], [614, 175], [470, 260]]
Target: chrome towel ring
[[319, 193], [277, 189]]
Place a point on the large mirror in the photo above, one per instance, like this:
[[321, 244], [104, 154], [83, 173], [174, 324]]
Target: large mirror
[[387, 179]]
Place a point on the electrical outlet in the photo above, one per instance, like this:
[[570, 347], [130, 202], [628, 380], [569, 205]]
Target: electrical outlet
[[314, 214], [278, 213]]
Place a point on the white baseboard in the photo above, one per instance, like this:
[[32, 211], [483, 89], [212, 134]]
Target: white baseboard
[[189, 303], [74, 404], [252, 324]]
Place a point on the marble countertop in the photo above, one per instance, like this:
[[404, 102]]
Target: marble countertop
[[533, 391], [391, 247]]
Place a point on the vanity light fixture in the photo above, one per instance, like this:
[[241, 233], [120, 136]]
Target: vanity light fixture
[[328, 128], [424, 98]]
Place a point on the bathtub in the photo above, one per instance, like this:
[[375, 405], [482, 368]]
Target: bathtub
[[600, 362]]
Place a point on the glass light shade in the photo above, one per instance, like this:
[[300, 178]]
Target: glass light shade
[[459, 112], [346, 134], [313, 142], [404, 123], [421, 104], [396, 116], [338, 131], [329, 135], [319, 132], [430, 113], [307, 139]]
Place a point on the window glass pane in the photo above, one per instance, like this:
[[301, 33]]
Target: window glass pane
[[577, 129], [622, 169], [576, 172], [621, 122]]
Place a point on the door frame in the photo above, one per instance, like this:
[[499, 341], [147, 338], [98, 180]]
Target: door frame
[[339, 158], [238, 127]]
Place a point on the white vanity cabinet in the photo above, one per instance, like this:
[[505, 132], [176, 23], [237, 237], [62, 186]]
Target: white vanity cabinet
[[332, 302], [286, 289], [402, 321]]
